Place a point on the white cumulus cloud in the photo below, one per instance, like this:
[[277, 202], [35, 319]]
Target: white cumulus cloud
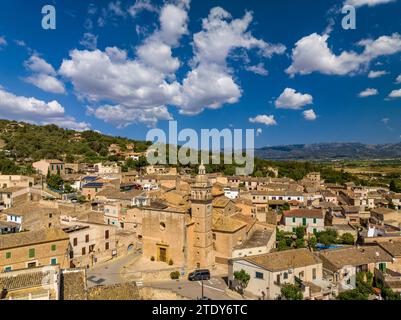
[[376, 74], [369, 3], [395, 94], [43, 75], [36, 111], [122, 90], [368, 93], [312, 54], [264, 119], [290, 99], [310, 115]]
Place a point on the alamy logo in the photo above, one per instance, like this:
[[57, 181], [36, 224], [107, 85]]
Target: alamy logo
[[349, 21], [208, 148], [49, 18]]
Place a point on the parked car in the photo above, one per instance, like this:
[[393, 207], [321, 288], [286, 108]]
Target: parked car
[[199, 275]]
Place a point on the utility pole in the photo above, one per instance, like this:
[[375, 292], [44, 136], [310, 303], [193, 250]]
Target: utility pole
[[202, 290]]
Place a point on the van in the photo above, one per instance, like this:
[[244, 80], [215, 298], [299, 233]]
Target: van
[[199, 275]]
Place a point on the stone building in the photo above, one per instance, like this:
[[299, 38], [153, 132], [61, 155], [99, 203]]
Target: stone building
[[34, 249]]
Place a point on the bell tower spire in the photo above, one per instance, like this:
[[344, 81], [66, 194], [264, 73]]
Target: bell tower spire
[[201, 209]]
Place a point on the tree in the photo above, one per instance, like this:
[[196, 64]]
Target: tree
[[313, 243], [394, 187], [300, 243], [389, 294], [68, 188], [300, 232], [55, 182], [348, 239], [354, 294], [291, 292], [243, 278], [327, 237]]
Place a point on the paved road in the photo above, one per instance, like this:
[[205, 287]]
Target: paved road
[[110, 272], [213, 289]]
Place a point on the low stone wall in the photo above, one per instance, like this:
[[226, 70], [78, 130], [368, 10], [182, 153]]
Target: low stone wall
[[159, 294]]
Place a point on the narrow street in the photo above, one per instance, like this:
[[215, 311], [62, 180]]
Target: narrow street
[[110, 272], [214, 289]]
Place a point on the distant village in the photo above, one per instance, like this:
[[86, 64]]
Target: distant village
[[121, 235]]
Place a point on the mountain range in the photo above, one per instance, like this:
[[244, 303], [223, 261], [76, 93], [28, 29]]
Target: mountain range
[[330, 151]]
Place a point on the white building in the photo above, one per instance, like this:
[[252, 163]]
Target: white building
[[313, 220], [231, 193], [269, 272]]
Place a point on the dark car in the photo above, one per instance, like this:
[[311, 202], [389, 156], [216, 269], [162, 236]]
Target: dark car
[[199, 275]]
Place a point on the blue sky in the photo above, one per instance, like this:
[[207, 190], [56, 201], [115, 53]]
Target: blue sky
[[285, 68]]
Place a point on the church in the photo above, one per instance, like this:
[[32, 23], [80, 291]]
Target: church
[[194, 225]]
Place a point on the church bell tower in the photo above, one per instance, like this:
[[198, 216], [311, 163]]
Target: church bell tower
[[201, 209]]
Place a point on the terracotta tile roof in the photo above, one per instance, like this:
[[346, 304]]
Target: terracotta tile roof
[[304, 213], [284, 260], [73, 284], [336, 259], [393, 248], [112, 193], [31, 237], [23, 280], [258, 239], [12, 189], [383, 211], [221, 202], [125, 291], [223, 223]]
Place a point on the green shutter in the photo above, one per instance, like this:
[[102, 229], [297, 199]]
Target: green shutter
[[314, 220], [53, 261], [8, 255], [54, 247], [304, 221], [31, 253]]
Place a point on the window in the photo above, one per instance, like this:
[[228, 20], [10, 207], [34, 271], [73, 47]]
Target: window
[[314, 273], [107, 246], [314, 220], [53, 261], [83, 251], [304, 221], [259, 275], [214, 236], [87, 238], [31, 265], [294, 220], [54, 247], [106, 234], [31, 253], [285, 275], [75, 241], [8, 269], [8, 255]]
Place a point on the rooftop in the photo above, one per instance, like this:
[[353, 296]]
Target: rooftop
[[285, 260], [304, 213], [336, 259], [259, 238], [31, 237]]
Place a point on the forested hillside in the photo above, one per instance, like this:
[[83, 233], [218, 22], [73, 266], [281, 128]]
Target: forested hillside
[[22, 143]]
